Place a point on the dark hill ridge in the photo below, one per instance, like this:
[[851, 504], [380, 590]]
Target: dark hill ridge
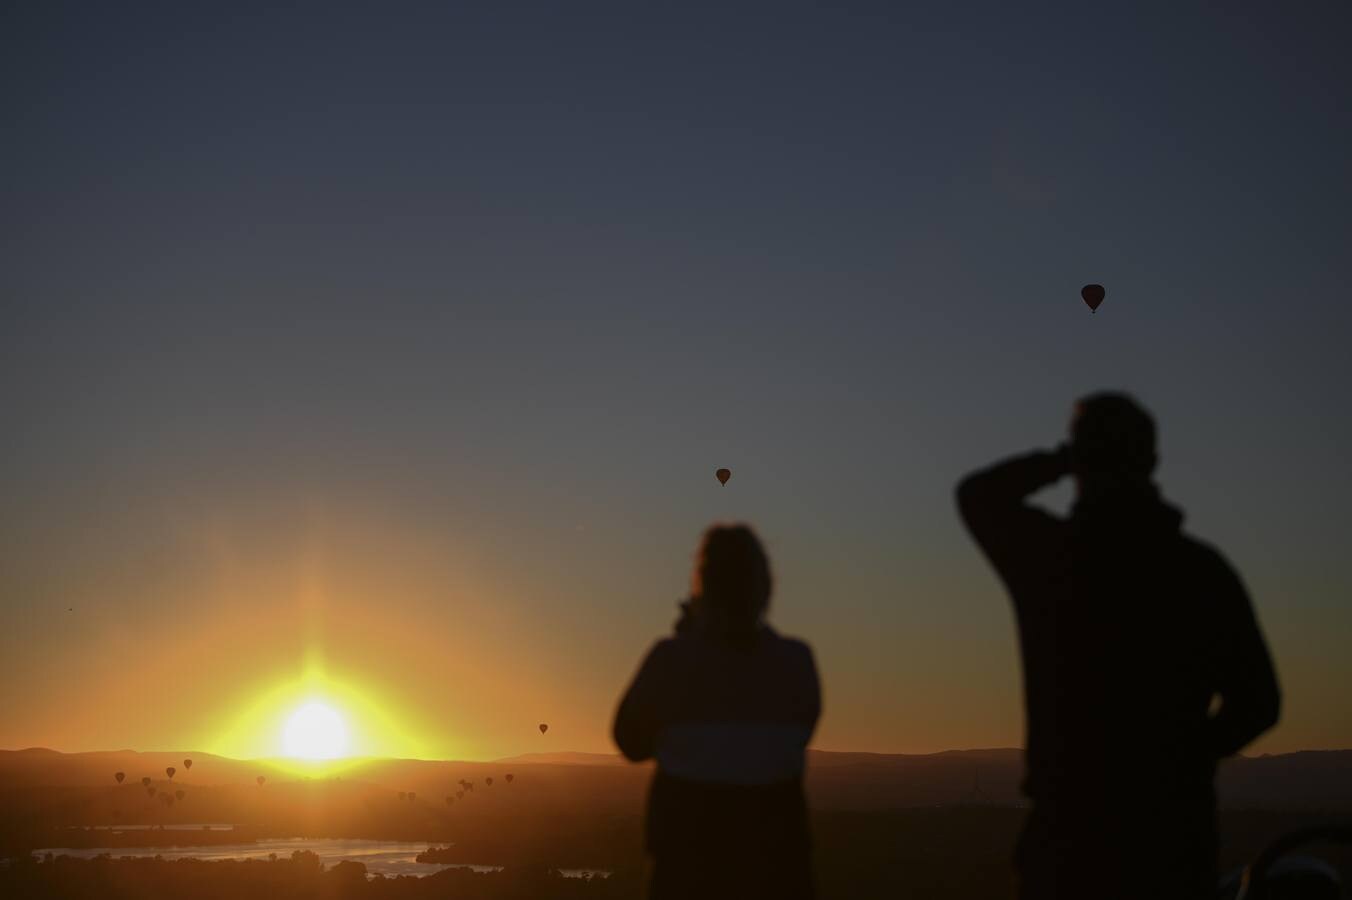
[[1314, 779], [565, 758]]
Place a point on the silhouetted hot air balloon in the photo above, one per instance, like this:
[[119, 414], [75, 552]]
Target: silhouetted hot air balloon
[[543, 727], [412, 795], [260, 779], [510, 776], [402, 795], [187, 764], [460, 794], [170, 770], [1093, 295], [488, 781], [145, 782], [119, 776], [723, 475], [180, 794]]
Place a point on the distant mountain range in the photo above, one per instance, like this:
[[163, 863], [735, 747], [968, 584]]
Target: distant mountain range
[[566, 758], [1309, 780]]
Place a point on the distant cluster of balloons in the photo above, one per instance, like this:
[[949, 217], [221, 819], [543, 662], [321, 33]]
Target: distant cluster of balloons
[[165, 797], [466, 785], [408, 796], [170, 771]]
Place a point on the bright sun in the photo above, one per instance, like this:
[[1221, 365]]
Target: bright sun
[[314, 731]]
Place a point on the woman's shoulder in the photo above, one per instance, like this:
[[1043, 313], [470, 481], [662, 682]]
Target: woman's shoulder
[[771, 648], [785, 643]]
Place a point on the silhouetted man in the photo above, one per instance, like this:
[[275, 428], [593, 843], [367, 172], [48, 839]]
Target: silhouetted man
[[1143, 664]]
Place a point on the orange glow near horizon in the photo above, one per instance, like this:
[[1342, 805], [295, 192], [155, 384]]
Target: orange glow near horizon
[[429, 641], [421, 649]]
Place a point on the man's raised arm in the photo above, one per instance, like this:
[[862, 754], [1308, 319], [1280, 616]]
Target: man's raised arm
[[991, 500]]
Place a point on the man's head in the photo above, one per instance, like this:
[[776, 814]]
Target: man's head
[[1112, 439]]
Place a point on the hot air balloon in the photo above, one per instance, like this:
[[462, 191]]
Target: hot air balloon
[[119, 776], [510, 776], [723, 475], [145, 782], [402, 795], [187, 764], [488, 781], [170, 770], [1093, 295], [543, 727], [260, 779], [460, 795], [180, 794]]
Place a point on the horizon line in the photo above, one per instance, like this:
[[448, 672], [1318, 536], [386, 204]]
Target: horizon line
[[290, 760]]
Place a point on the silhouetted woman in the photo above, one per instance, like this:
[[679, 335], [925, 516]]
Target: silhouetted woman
[[726, 707]]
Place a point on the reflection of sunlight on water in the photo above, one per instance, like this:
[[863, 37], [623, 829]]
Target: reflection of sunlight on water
[[379, 857]]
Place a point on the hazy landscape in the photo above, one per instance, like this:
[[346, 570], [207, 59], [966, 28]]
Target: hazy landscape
[[937, 825]]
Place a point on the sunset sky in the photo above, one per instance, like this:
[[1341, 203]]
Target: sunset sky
[[387, 359]]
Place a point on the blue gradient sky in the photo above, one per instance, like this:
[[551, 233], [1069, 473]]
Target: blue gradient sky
[[409, 340]]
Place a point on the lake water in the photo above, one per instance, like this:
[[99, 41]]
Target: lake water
[[379, 857]]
